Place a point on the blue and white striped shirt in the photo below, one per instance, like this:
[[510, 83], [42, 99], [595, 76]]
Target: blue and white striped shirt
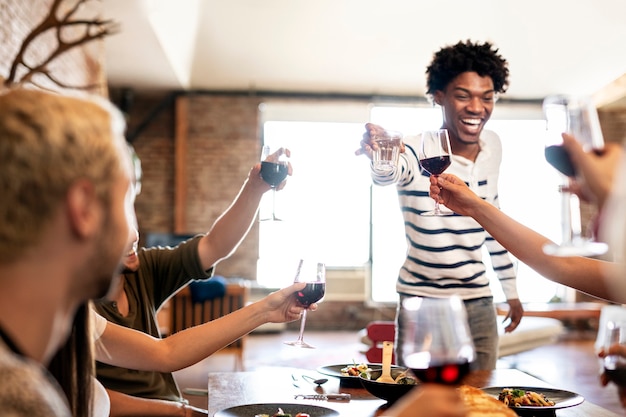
[[444, 253]]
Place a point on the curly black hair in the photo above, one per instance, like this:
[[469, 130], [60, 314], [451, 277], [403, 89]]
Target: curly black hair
[[451, 61]]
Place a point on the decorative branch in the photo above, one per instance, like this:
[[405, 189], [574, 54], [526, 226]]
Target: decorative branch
[[93, 29]]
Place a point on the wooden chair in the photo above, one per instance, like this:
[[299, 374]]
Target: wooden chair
[[185, 313], [379, 332]]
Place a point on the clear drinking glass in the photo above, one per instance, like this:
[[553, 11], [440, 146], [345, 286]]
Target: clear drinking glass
[[577, 116], [434, 156], [438, 346], [387, 153], [274, 170], [314, 274]]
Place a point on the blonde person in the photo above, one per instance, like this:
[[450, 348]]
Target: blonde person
[[64, 216]]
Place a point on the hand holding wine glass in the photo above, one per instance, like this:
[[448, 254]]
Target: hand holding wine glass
[[578, 117], [434, 157], [314, 274], [438, 347], [274, 170]]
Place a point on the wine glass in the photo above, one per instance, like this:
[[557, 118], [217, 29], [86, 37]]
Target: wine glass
[[274, 170], [434, 156], [438, 345], [577, 116], [314, 274], [614, 365]]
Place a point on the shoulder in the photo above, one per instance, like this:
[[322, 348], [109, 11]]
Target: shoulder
[[98, 323], [26, 389], [491, 145], [490, 139]]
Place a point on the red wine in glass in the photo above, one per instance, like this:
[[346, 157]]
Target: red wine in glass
[[578, 117], [314, 275], [617, 375], [436, 165], [312, 293], [274, 170], [434, 157], [274, 173], [558, 157], [451, 373], [438, 345]]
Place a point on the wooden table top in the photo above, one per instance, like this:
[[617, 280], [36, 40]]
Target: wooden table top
[[275, 385]]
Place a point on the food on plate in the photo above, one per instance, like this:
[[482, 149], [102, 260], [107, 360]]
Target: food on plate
[[355, 370], [405, 379], [519, 398], [402, 379], [281, 413], [481, 404]]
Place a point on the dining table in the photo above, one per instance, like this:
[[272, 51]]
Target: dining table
[[280, 385]]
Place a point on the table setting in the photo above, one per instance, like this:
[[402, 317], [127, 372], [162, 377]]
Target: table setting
[[235, 394], [433, 353]]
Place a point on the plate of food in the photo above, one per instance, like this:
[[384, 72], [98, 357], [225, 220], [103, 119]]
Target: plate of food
[[276, 410], [535, 398], [348, 373]]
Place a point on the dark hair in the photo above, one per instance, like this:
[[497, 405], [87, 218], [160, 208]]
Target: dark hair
[[451, 61], [73, 365]]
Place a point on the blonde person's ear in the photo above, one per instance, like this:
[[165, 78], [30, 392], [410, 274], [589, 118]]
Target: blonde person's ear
[[84, 209]]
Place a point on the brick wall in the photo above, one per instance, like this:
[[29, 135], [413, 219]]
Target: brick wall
[[223, 144]]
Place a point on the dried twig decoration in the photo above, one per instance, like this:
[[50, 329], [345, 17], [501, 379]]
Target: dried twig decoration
[[93, 29]]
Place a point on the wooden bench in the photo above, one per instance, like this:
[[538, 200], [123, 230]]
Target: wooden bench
[[579, 314]]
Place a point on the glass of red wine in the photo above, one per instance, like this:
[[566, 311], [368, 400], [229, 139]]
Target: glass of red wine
[[615, 365], [438, 345], [314, 274], [577, 116], [274, 170], [434, 156]]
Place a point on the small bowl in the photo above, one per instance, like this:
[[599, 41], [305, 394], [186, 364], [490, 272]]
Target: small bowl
[[384, 390]]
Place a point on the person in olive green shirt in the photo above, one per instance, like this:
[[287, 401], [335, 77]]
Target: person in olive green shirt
[[153, 275]]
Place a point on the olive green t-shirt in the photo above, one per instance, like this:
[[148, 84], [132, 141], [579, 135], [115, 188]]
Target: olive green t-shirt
[[162, 272]]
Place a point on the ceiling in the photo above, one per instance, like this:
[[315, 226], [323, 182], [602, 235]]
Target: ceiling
[[369, 47]]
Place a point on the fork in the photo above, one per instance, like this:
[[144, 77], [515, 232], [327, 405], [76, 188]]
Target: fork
[[323, 397]]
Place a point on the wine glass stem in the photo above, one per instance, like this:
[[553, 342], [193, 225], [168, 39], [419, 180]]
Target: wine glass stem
[[274, 203], [570, 221], [302, 322], [437, 209]]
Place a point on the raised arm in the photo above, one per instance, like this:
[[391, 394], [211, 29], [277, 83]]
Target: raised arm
[[233, 225], [132, 349], [584, 274]]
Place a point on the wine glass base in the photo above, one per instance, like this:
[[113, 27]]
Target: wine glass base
[[576, 248], [300, 344], [271, 219], [434, 213]]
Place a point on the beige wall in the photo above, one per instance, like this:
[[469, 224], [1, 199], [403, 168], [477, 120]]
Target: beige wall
[[78, 67]]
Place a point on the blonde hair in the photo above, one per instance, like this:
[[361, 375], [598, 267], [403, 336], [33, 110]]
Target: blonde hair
[[47, 142]]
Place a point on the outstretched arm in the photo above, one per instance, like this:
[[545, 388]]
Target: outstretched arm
[[123, 405], [132, 349], [584, 274]]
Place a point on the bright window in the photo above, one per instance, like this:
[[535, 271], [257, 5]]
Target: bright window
[[329, 205], [325, 205]]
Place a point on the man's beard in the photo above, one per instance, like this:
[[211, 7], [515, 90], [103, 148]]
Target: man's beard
[[105, 263]]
